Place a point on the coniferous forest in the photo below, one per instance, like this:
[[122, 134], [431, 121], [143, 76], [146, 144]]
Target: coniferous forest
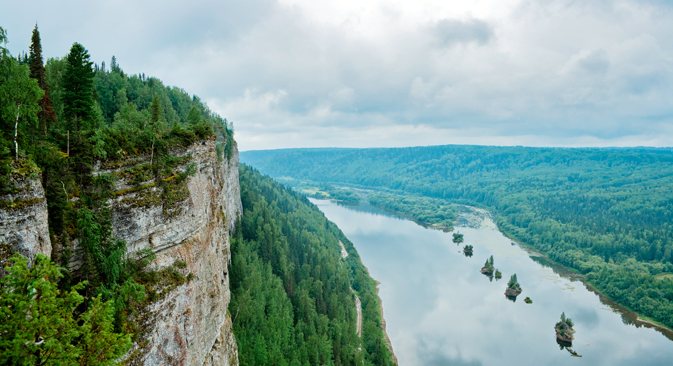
[[293, 296], [292, 302], [604, 213], [56, 119]]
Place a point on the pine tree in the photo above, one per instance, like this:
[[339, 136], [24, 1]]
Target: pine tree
[[194, 116], [78, 102], [42, 326], [37, 71]]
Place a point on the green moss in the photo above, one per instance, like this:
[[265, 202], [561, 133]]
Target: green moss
[[146, 198], [173, 196], [21, 204], [134, 189], [24, 168]]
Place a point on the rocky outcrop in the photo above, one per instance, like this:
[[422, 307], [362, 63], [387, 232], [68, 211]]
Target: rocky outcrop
[[186, 222], [185, 219], [564, 333], [23, 216], [512, 292]]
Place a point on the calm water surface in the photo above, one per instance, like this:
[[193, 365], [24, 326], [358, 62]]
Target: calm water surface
[[441, 311]]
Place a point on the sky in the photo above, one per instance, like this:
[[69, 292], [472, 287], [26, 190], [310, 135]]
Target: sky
[[369, 73]]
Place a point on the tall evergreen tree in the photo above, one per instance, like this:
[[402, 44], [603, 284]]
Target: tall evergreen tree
[[78, 102], [37, 71]]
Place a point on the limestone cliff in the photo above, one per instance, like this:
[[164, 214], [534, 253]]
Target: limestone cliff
[[23, 216], [190, 224], [185, 223]]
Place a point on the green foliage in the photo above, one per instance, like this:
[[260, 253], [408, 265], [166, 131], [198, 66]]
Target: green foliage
[[513, 283], [78, 102], [424, 210], [42, 326], [291, 297], [46, 115], [458, 238], [605, 213], [567, 321]]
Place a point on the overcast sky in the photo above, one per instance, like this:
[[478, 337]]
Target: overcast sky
[[368, 73]]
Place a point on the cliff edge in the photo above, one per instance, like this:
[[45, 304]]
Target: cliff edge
[[186, 224]]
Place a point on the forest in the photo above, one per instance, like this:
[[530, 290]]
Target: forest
[[292, 302], [604, 213], [56, 119]]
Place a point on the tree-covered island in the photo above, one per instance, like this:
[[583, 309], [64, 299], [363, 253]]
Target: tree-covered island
[[513, 287]]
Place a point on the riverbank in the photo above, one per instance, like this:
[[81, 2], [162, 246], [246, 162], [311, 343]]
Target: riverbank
[[358, 303], [383, 324], [479, 218], [344, 254]]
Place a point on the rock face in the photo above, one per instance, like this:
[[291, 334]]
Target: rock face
[[564, 333], [512, 292], [23, 219], [188, 224], [185, 222]]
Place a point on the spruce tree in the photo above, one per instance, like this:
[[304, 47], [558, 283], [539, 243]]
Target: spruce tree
[[37, 71], [78, 102]]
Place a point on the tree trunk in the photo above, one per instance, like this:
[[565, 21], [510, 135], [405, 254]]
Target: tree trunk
[[16, 131]]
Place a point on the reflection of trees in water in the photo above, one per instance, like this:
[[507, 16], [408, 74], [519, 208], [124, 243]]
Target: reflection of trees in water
[[567, 346], [628, 317]]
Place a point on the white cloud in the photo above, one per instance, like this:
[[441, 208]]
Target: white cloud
[[294, 73]]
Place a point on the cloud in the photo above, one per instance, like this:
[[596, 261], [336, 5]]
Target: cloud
[[452, 31], [293, 73]]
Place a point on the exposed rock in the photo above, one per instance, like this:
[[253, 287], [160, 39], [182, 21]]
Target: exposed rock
[[512, 292], [187, 221], [191, 223], [487, 271], [225, 349], [23, 218], [564, 333]]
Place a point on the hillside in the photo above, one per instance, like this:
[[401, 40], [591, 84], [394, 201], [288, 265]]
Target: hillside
[[292, 301], [118, 197], [605, 213]]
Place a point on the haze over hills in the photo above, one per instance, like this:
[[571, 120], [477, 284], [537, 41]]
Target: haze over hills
[[605, 213]]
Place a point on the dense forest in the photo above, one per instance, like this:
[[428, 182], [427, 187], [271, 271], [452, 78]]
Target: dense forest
[[605, 213], [292, 298], [292, 302], [56, 120]]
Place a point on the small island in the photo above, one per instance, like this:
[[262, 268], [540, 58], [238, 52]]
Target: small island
[[488, 268], [564, 331], [457, 237], [527, 300], [513, 287], [498, 274], [468, 249]]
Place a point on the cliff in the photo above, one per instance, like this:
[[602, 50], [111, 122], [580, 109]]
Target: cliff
[[186, 223], [23, 216]]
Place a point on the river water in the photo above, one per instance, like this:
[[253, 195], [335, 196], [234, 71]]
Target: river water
[[440, 310]]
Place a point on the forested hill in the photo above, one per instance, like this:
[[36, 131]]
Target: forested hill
[[292, 302], [606, 213]]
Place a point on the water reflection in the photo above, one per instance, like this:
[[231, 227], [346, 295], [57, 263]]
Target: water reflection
[[440, 311]]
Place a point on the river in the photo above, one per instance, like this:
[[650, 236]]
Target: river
[[440, 310]]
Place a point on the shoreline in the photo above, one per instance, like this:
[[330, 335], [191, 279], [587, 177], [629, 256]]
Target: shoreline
[[344, 254], [383, 323], [628, 316]]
